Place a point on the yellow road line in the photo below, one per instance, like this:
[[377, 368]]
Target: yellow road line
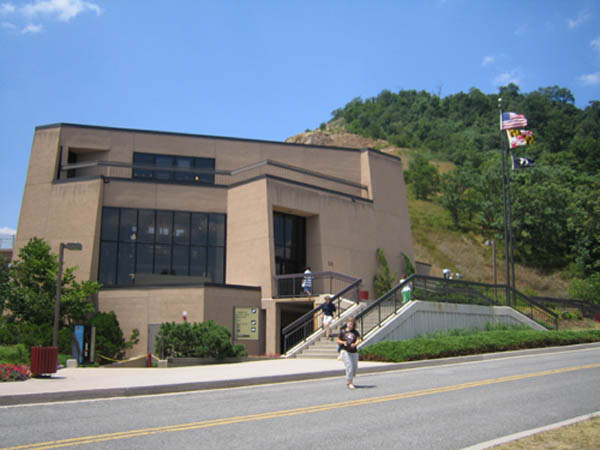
[[290, 412]]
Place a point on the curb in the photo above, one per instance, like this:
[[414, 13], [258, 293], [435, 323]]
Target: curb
[[131, 391], [527, 433]]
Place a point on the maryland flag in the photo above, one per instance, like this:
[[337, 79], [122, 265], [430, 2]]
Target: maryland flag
[[519, 137]]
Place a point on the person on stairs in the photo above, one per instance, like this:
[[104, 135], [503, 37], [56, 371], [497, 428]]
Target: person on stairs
[[328, 309]]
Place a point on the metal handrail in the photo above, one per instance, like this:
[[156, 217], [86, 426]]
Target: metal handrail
[[443, 290], [226, 173], [297, 331]]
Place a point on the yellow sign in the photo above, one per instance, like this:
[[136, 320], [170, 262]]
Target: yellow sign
[[246, 324]]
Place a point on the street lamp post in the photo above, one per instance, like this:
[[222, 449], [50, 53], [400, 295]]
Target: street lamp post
[[63, 246], [493, 244]]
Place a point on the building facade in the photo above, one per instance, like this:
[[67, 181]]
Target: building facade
[[177, 224]]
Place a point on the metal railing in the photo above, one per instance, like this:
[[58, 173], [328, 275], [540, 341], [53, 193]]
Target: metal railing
[[119, 170], [446, 290], [586, 309], [300, 329], [322, 283]]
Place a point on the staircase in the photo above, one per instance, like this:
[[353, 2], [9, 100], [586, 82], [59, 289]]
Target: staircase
[[321, 348]]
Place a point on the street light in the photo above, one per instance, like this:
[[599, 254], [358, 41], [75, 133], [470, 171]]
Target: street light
[[493, 244], [63, 246]]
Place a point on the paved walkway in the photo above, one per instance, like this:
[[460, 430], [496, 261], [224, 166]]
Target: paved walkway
[[87, 383]]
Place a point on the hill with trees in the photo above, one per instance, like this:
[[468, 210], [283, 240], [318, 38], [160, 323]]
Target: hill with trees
[[453, 148]]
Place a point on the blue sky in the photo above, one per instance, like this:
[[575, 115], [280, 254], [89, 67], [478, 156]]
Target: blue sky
[[266, 69]]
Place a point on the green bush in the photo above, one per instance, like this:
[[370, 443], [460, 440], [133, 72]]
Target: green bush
[[110, 341], [25, 333], [14, 354], [198, 340], [469, 342]]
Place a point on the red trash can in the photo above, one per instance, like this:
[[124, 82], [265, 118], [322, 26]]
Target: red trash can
[[43, 360]]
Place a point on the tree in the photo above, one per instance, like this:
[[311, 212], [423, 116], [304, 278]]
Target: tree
[[423, 176], [31, 288], [3, 282], [384, 279], [458, 196]]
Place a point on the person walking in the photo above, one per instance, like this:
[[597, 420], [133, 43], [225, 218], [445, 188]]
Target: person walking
[[349, 339], [328, 309], [406, 290], [307, 281]]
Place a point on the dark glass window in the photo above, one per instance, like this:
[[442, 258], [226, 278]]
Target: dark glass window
[[110, 224], [162, 259], [126, 264], [181, 260], [144, 159], [145, 258], [207, 165], [198, 261], [216, 229], [290, 243], [201, 170], [181, 228], [199, 229], [164, 224], [184, 163], [161, 246], [163, 161], [128, 228], [146, 226], [107, 273]]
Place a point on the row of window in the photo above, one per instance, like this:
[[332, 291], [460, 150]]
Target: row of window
[[141, 246], [203, 168]]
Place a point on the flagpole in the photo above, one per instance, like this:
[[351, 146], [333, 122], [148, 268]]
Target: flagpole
[[510, 226], [504, 198]]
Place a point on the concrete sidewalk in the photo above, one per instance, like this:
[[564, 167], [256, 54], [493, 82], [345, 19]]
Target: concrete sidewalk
[[88, 383]]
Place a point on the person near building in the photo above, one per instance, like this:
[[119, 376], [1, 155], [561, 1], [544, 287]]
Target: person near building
[[307, 281], [349, 338], [328, 309], [406, 290]]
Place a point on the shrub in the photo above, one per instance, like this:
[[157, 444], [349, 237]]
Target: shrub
[[110, 342], [198, 340], [15, 354]]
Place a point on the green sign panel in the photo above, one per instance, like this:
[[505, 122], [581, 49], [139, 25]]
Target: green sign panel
[[246, 324]]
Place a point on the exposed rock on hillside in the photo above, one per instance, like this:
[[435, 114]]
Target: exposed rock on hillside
[[336, 139]]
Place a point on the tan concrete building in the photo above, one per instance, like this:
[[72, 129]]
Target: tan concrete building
[[175, 223]]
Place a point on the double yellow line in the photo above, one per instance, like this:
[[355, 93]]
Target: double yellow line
[[290, 412]]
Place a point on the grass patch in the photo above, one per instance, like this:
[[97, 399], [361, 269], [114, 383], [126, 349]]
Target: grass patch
[[471, 342]]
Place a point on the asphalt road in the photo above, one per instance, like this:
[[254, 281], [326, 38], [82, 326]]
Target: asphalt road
[[442, 407]]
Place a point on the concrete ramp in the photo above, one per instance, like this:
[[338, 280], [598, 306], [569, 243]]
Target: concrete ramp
[[420, 317]]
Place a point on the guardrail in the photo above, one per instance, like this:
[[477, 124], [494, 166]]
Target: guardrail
[[108, 170], [446, 290], [300, 329]]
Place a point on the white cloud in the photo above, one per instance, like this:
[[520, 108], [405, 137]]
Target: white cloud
[[7, 231], [8, 25], [590, 79], [521, 30], [32, 29], [7, 8], [581, 18], [487, 60], [506, 78], [596, 44], [65, 10]]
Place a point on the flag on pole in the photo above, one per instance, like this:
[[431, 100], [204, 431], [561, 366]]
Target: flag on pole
[[512, 120], [518, 137], [522, 163]]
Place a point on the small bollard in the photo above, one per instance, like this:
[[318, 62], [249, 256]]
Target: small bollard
[[72, 364]]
